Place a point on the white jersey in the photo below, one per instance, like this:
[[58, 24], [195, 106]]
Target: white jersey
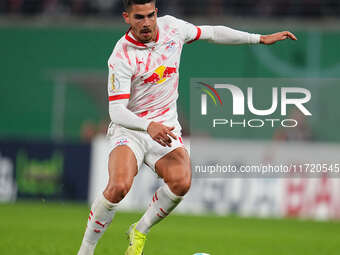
[[148, 74]]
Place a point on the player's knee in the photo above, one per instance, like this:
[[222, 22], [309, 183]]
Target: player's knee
[[117, 191], [184, 186], [180, 186]]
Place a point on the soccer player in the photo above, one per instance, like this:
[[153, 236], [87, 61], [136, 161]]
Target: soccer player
[[142, 87]]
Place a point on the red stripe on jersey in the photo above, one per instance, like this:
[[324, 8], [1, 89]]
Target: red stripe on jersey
[[118, 55], [148, 63], [118, 97], [156, 196], [162, 113], [180, 140], [91, 212], [164, 57], [142, 114], [126, 53], [165, 111], [97, 230], [138, 63], [159, 215], [199, 32]]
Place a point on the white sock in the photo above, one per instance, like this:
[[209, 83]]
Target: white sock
[[163, 202], [101, 215]]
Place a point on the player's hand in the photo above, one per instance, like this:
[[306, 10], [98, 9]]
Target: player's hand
[[273, 38], [161, 133]]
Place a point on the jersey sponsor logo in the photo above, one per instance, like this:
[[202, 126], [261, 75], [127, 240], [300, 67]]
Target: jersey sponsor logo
[[160, 75]]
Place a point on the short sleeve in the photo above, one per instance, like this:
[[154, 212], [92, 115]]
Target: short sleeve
[[119, 80], [188, 31]]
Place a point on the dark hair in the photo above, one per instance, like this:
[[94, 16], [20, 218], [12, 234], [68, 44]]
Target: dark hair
[[129, 3]]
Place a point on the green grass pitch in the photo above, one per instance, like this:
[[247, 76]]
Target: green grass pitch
[[52, 228]]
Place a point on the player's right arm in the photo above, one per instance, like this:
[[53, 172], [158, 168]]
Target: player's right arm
[[119, 86]]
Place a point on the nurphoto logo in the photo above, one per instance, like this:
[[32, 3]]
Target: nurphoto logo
[[280, 98]]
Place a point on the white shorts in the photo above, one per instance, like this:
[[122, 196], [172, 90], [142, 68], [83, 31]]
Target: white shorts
[[143, 146]]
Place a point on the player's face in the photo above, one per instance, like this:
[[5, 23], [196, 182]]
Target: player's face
[[143, 21]]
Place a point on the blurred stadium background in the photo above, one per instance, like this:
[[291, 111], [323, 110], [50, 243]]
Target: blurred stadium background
[[54, 117]]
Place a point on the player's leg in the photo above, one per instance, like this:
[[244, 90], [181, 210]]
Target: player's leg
[[122, 170], [175, 169]]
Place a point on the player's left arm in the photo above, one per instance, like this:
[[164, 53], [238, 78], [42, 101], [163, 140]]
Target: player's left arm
[[225, 35], [229, 36]]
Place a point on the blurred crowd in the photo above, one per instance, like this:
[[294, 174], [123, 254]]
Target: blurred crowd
[[259, 8]]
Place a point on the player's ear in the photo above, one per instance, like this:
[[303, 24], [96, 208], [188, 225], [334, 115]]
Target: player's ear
[[126, 17]]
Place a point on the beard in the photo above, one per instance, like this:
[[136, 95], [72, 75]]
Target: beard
[[146, 35]]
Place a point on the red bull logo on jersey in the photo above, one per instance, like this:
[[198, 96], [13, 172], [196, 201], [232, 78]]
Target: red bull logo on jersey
[[160, 75]]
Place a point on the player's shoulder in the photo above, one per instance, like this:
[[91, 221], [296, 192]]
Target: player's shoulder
[[169, 20], [119, 44], [120, 51], [175, 24]]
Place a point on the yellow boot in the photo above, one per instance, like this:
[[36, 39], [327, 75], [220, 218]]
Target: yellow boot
[[137, 241]]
